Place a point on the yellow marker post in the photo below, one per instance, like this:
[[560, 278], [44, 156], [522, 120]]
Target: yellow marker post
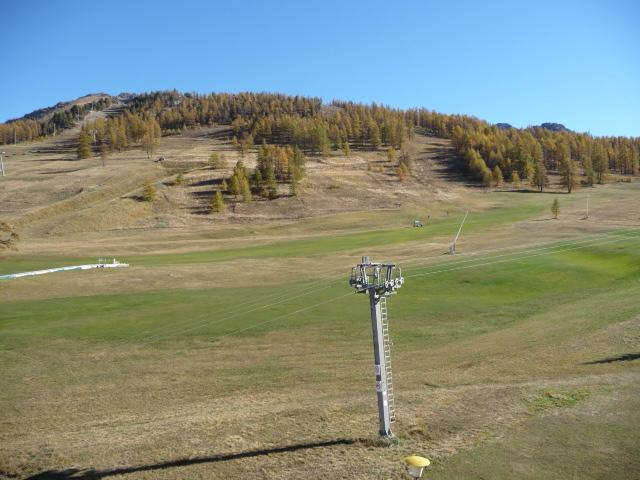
[[416, 465]]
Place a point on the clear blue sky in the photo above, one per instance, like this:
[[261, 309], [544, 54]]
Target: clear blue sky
[[573, 62]]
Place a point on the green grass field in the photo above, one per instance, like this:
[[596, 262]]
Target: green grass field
[[510, 207], [495, 359]]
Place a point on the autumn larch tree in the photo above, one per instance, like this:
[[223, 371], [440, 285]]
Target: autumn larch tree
[[391, 154], [148, 191], [214, 160], [587, 166], [539, 178], [104, 152], [234, 185], [245, 189], [296, 175], [555, 208], [84, 145], [245, 144], [402, 172], [600, 162], [217, 204], [257, 178], [569, 173], [515, 179], [150, 136], [270, 183], [374, 135], [497, 176], [487, 177]]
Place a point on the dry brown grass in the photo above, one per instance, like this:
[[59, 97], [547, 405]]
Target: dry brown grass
[[50, 193], [77, 404], [156, 405]]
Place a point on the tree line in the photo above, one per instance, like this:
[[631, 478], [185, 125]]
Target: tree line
[[117, 133], [303, 122], [490, 153], [487, 151]]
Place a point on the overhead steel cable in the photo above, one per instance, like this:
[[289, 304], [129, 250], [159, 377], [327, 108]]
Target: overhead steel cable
[[433, 273], [203, 320], [233, 311], [458, 265], [558, 250]]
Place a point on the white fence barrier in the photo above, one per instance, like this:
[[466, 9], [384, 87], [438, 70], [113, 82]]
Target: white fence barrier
[[113, 264]]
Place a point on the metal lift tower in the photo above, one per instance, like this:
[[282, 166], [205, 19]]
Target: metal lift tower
[[380, 280]]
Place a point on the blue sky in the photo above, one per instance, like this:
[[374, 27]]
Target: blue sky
[[573, 62]]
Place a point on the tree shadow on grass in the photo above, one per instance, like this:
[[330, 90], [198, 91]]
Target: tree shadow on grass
[[625, 357], [207, 182], [531, 190], [91, 474]]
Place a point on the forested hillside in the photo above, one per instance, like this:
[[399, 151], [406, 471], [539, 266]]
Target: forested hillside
[[488, 152]]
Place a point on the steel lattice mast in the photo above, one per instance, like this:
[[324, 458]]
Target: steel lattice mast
[[380, 280]]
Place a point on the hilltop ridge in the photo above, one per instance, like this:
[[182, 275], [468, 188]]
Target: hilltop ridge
[[47, 112]]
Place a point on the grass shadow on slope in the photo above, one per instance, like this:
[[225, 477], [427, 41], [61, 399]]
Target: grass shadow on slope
[[75, 474]]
